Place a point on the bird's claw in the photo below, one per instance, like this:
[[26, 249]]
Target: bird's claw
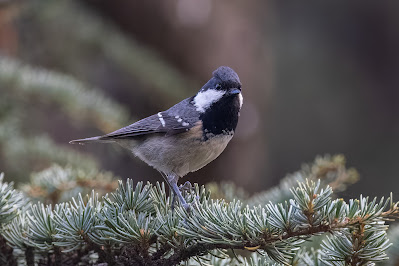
[[186, 186]]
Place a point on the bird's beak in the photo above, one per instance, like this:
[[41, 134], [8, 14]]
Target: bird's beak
[[234, 91]]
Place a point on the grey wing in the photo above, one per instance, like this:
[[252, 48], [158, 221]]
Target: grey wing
[[159, 123], [177, 119]]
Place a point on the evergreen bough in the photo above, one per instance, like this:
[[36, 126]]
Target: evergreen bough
[[134, 225]]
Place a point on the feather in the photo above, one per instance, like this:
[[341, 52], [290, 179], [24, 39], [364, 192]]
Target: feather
[[90, 140], [162, 122]]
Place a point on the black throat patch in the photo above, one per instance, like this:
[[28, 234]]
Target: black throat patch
[[221, 117]]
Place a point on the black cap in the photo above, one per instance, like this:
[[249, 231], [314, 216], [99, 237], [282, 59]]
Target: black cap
[[226, 74]]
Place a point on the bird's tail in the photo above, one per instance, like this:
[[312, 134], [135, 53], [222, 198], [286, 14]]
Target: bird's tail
[[90, 140]]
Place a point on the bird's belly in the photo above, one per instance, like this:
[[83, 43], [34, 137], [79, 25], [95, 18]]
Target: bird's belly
[[180, 155], [207, 151]]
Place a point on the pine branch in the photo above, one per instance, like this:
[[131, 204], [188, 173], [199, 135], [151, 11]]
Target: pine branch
[[331, 170], [26, 151], [135, 226], [74, 97], [200, 249], [58, 184], [12, 202]]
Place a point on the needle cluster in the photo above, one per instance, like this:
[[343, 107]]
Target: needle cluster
[[134, 225]]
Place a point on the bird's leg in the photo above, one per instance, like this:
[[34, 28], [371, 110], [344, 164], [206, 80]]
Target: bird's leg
[[171, 191], [172, 180], [187, 187]]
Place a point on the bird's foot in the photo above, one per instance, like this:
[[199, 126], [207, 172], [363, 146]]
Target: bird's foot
[[187, 206], [186, 187]]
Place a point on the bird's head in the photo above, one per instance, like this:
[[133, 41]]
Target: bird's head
[[223, 88]]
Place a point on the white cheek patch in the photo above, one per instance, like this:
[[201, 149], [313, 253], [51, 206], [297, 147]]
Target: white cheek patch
[[204, 99], [241, 99]]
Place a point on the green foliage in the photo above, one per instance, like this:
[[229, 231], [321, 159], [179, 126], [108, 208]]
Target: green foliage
[[331, 170], [69, 94], [134, 225], [12, 202], [42, 226], [26, 147], [87, 32], [58, 184], [365, 240], [76, 222]]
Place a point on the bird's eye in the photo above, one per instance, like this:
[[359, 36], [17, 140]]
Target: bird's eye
[[218, 86]]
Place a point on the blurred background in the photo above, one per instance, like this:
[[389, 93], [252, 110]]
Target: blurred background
[[318, 78]]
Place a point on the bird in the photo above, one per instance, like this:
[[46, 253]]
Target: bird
[[187, 136]]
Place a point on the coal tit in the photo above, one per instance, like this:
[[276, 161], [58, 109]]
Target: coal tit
[[187, 136]]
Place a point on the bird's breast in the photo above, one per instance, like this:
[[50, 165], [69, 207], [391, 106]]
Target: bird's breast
[[182, 153], [208, 151]]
